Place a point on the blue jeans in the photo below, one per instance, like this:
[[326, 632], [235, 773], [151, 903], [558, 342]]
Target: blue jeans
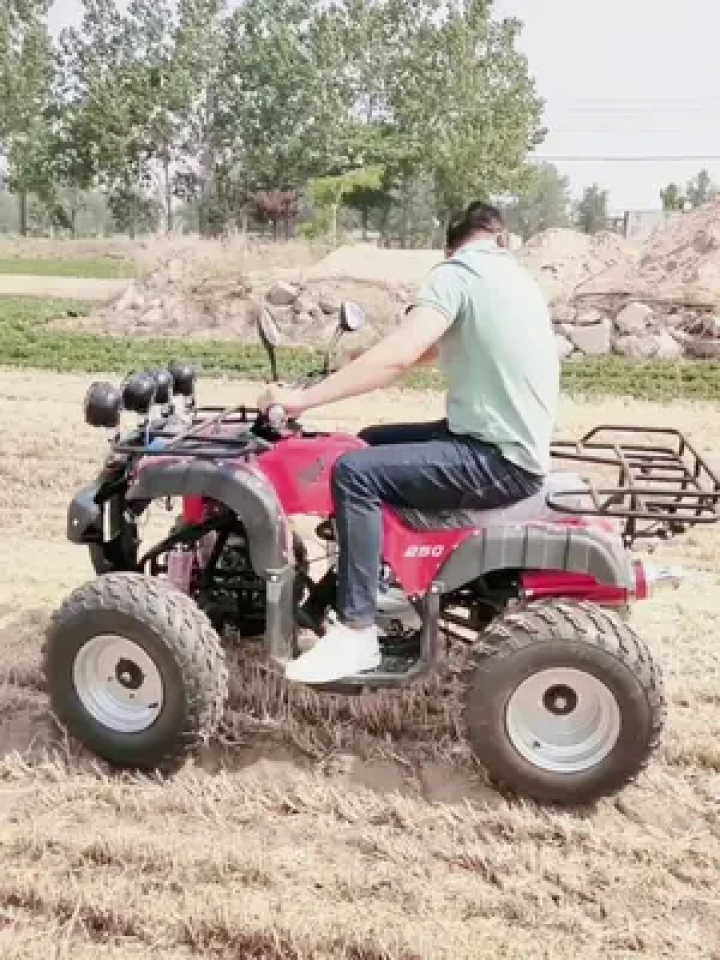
[[421, 466]]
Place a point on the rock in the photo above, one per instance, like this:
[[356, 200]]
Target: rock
[[329, 304], [132, 299], [564, 347], [633, 319], [635, 347], [304, 319], [592, 339], [587, 316], [283, 315], [703, 347], [152, 317], [282, 294], [563, 312], [176, 270], [305, 304]]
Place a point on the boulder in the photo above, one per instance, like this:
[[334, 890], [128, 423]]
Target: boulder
[[564, 347], [152, 317], [634, 319], [329, 304], [132, 299], [282, 294], [637, 347], [283, 315], [703, 348], [304, 319], [563, 312], [593, 339], [588, 316], [305, 304]]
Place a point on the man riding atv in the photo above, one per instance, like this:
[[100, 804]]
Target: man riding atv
[[486, 320]]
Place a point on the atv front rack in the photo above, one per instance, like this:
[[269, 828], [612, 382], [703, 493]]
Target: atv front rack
[[199, 439], [664, 486]]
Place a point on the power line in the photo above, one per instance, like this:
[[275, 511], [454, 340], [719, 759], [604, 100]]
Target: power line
[[636, 159]]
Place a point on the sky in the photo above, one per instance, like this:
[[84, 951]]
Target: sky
[[621, 79]]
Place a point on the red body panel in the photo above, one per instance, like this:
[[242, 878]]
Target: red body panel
[[299, 469], [542, 584]]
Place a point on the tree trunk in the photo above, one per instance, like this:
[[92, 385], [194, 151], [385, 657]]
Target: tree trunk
[[170, 223], [23, 205], [365, 221]]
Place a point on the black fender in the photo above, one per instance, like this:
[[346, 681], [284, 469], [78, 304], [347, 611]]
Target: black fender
[[85, 512], [84, 515], [247, 494], [537, 547]]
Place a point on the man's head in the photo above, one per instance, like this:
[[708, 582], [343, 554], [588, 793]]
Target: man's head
[[478, 221]]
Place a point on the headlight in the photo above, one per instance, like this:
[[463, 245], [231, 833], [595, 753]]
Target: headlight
[[102, 405]]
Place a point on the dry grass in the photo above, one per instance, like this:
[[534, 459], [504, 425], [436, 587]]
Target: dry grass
[[327, 828], [201, 257]]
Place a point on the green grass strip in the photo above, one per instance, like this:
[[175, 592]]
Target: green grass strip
[[27, 343]]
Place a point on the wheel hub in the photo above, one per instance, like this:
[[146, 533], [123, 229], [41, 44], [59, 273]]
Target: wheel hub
[[563, 720], [118, 683]]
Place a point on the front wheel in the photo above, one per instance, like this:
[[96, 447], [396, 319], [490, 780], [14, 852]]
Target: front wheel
[[564, 703], [135, 671]]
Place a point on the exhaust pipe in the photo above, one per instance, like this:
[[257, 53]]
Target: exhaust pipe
[[650, 577]]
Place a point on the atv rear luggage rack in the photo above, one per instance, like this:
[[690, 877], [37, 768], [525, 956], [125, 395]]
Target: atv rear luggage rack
[[663, 488]]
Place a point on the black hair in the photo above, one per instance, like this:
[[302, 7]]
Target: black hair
[[477, 217]]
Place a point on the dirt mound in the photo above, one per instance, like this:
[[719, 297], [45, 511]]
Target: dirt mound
[[564, 260], [376, 264]]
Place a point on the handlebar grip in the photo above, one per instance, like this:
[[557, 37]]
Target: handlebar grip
[[277, 416]]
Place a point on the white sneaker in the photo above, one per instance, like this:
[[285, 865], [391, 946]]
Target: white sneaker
[[341, 652]]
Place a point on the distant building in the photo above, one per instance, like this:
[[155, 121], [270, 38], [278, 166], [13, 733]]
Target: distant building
[[639, 224]]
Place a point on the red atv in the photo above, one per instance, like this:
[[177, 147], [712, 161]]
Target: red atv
[[563, 702]]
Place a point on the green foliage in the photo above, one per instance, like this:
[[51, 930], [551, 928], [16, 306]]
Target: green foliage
[[671, 198], [26, 341], [592, 210], [26, 76], [542, 203], [701, 189], [327, 194]]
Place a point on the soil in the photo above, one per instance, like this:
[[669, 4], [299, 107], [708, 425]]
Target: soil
[[333, 828]]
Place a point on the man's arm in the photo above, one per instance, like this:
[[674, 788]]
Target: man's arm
[[384, 363], [437, 306]]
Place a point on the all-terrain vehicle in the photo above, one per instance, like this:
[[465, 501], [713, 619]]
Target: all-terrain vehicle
[[562, 701]]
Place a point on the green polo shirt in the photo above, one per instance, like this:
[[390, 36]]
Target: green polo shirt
[[499, 355]]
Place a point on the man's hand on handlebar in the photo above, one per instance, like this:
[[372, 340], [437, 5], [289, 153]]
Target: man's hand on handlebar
[[291, 401]]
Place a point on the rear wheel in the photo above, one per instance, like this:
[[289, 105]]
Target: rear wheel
[[135, 671], [563, 702]]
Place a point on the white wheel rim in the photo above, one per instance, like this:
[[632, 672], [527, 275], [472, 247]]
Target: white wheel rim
[[563, 721], [118, 684]]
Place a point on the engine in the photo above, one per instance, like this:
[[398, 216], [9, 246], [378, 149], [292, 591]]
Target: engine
[[235, 595], [219, 574]]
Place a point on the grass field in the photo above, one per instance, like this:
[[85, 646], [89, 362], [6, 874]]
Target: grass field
[[335, 829], [98, 268], [26, 341]]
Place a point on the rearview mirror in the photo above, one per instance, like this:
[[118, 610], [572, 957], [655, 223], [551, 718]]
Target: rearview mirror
[[269, 330], [352, 316], [271, 337]]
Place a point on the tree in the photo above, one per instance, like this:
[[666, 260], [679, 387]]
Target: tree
[[328, 193], [671, 198], [592, 210], [542, 204], [26, 75], [464, 91], [276, 207], [701, 189], [133, 86]]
